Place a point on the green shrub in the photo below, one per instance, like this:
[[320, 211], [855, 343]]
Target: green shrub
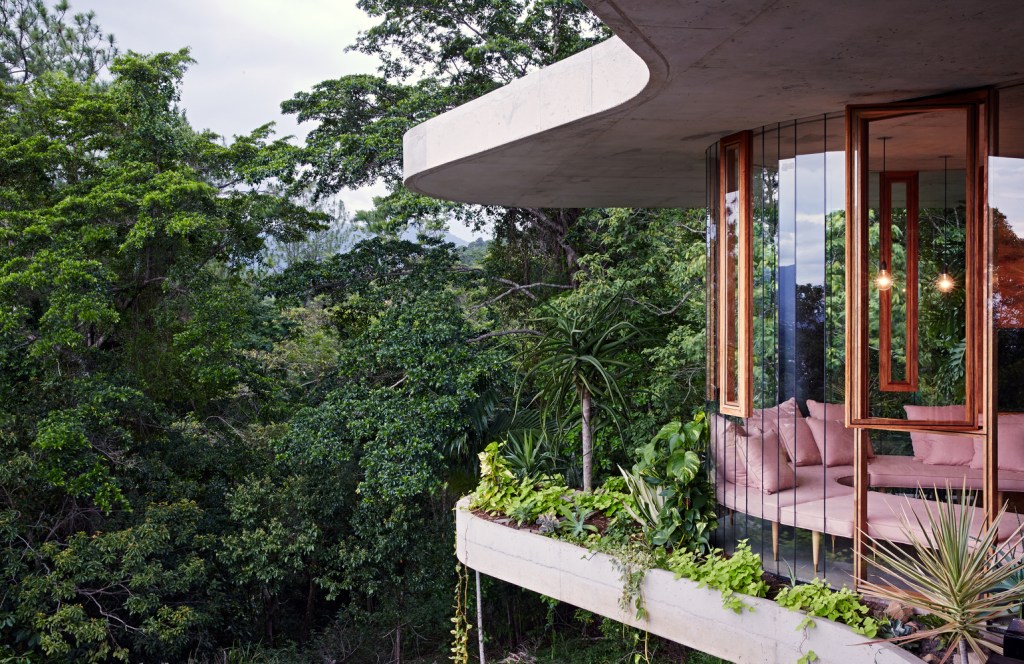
[[672, 497], [527, 499]]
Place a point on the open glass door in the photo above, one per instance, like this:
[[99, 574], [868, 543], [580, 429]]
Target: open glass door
[[915, 290]]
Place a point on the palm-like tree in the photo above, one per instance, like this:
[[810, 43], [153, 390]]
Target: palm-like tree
[[579, 359]]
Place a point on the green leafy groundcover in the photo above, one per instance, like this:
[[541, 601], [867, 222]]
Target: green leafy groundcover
[[627, 525]]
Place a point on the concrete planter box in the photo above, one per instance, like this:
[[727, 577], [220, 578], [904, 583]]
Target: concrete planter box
[[677, 609]]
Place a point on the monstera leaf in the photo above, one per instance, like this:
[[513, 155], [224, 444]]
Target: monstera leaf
[[683, 466]]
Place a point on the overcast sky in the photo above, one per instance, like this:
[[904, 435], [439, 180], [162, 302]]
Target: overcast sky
[[251, 55]]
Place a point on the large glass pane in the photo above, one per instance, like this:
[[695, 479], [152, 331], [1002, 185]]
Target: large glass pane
[[917, 235], [1006, 203]]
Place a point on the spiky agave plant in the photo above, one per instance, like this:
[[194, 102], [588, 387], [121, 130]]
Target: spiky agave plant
[[952, 574]]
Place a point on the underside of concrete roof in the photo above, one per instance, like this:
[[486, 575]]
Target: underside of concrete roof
[[627, 123]]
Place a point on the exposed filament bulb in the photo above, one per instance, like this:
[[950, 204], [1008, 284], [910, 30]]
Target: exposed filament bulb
[[883, 280]]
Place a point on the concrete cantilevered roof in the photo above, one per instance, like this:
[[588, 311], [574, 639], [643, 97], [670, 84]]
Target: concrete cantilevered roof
[[626, 123]]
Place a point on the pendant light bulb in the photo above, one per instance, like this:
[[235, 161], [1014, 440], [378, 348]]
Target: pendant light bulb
[[883, 280], [945, 283]]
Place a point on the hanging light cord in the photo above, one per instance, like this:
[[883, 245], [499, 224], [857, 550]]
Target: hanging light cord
[[945, 209]]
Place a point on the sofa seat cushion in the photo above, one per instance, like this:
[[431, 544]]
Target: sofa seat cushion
[[893, 470], [885, 511], [906, 472], [813, 483]]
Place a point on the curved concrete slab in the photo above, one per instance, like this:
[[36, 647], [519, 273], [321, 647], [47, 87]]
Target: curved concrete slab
[[586, 85], [677, 609], [609, 127]]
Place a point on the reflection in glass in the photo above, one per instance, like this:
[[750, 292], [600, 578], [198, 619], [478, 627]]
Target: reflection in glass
[[917, 229], [731, 240], [1006, 202]]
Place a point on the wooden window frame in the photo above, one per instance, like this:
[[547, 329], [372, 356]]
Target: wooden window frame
[[742, 406], [978, 106], [910, 381]]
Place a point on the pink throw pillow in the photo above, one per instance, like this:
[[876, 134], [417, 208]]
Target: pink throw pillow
[[763, 419], [922, 441], [788, 421], [1011, 443], [796, 438], [826, 411], [948, 450], [728, 464], [834, 440], [766, 465]]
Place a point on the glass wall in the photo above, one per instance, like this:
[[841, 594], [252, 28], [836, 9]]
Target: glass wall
[[785, 475], [798, 225], [1006, 204]]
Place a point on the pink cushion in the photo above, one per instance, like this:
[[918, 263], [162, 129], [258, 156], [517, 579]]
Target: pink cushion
[[949, 450], [1010, 431], [729, 465], [763, 419], [826, 411], [794, 435], [896, 470], [766, 466], [812, 483], [834, 440], [924, 440]]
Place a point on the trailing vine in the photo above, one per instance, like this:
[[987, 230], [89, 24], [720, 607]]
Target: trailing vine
[[632, 560], [460, 621]]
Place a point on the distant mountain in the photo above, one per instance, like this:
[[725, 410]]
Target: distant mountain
[[411, 233]]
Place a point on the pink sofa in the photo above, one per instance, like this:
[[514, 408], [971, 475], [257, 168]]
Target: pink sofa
[[822, 499], [822, 502], [894, 471]]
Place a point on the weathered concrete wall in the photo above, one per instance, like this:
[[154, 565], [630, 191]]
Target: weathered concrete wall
[[677, 609]]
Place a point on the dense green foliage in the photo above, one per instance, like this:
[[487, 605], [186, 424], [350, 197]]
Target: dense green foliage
[[232, 426], [672, 495], [734, 575], [843, 605]]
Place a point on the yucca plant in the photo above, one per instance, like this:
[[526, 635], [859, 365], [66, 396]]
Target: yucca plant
[[953, 574]]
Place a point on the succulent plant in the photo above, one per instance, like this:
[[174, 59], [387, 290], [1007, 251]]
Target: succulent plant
[[548, 523]]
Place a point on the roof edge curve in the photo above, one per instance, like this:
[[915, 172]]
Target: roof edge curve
[[602, 80]]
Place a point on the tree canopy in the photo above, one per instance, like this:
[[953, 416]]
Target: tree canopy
[[234, 419]]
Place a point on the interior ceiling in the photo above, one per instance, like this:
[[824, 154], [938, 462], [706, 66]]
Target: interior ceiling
[[918, 142], [720, 66]]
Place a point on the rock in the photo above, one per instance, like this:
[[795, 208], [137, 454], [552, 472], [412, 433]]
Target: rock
[[898, 611], [930, 659]]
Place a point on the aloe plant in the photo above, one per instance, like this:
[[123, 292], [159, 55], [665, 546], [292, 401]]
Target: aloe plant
[[955, 575]]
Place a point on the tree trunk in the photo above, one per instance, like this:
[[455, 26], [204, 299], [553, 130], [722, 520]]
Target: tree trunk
[[397, 655], [963, 651], [307, 619], [588, 444]]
